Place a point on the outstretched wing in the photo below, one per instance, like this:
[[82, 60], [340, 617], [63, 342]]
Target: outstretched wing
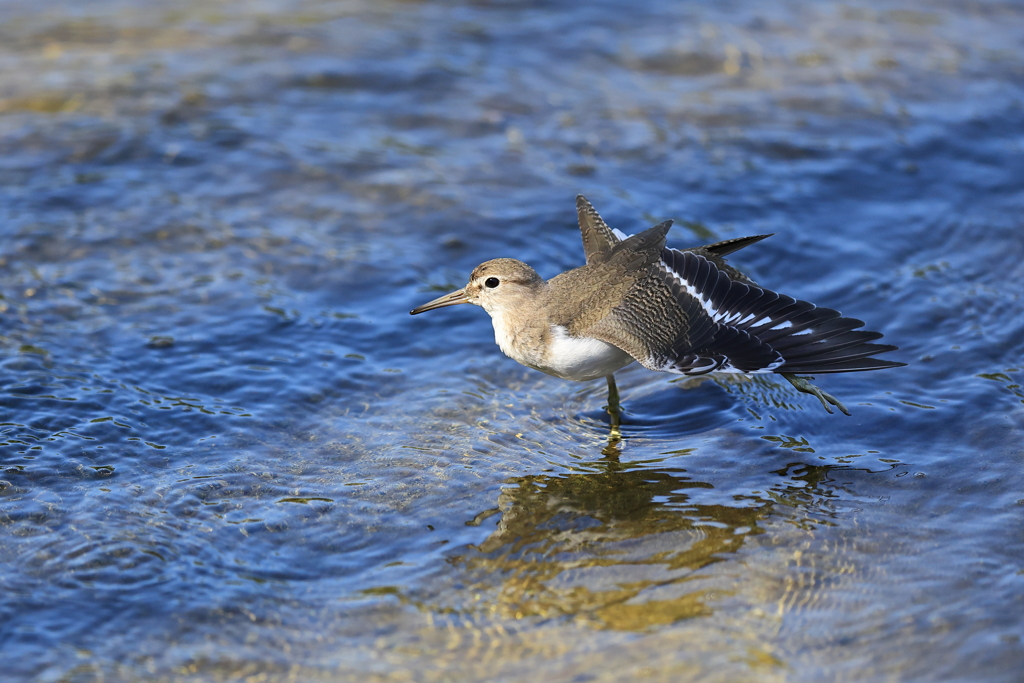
[[696, 314], [731, 326], [753, 324]]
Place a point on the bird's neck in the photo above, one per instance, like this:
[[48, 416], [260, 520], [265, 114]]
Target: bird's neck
[[522, 332]]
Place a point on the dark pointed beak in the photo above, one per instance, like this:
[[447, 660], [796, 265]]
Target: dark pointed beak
[[456, 297]]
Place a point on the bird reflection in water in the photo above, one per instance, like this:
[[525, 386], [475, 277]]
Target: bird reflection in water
[[622, 545]]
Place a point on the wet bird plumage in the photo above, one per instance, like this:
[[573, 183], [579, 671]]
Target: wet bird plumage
[[685, 312]]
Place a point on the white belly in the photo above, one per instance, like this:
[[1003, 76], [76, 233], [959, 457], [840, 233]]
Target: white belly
[[582, 358]]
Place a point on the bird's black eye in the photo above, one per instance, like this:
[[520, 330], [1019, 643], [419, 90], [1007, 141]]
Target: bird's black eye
[[491, 282]]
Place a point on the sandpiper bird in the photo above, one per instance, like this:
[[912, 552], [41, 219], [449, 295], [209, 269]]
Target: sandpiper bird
[[686, 312]]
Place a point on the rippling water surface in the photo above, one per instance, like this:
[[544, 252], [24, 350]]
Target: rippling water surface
[[229, 452]]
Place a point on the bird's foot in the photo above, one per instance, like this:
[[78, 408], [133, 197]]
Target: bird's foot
[[801, 384]]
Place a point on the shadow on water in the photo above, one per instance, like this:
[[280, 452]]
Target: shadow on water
[[622, 546]]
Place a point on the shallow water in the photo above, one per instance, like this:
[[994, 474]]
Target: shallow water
[[229, 452]]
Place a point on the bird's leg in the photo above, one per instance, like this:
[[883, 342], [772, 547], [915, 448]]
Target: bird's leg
[[806, 387], [613, 405]]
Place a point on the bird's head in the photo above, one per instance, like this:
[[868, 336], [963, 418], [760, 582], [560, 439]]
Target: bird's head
[[497, 285]]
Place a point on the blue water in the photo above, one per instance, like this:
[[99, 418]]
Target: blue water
[[229, 453]]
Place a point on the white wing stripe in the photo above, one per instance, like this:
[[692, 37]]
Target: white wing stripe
[[705, 303]]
